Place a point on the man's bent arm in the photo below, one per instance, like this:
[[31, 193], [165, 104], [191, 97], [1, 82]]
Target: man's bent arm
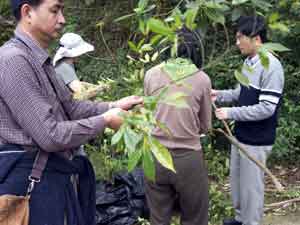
[[228, 96], [34, 113]]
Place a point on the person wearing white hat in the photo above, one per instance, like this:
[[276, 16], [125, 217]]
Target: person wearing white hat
[[71, 46]]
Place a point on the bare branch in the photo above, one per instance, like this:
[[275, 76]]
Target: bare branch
[[283, 203], [241, 149]]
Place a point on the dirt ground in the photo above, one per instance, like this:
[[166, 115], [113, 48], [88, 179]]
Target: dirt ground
[[290, 178], [289, 219]]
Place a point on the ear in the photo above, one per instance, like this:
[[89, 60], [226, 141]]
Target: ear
[[26, 11], [258, 40]]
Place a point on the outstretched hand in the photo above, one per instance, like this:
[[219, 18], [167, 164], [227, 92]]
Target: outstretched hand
[[128, 102], [114, 118]]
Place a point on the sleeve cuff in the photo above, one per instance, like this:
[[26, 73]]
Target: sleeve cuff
[[230, 113]]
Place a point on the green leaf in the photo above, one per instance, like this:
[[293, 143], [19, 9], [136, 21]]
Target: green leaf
[[143, 4], [132, 46], [118, 136], [142, 26], [248, 68], [215, 15], [190, 16], [174, 48], [141, 42], [155, 39], [131, 139], [148, 162], [236, 14], [134, 159], [238, 2], [275, 47], [162, 93], [179, 68], [177, 99], [274, 17], [262, 4], [280, 27], [164, 128], [241, 78], [177, 16], [157, 26], [215, 5], [154, 56], [146, 48], [162, 154], [150, 102], [263, 56]]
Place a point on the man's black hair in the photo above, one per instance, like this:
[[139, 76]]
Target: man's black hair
[[190, 46], [17, 4], [252, 26]]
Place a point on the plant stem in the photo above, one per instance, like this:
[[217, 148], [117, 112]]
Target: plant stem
[[106, 46], [241, 149]]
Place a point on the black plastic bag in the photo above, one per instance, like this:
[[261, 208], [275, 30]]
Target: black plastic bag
[[122, 201]]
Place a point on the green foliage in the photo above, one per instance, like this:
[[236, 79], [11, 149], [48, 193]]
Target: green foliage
[[6, 28], [220, 205], [220, 62], [241, 77], [287, 147], [179, 68], [217, 163], [270, 47], [105, 160], [135, 140]]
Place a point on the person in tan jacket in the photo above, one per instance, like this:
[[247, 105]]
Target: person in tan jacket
[[189, 186]]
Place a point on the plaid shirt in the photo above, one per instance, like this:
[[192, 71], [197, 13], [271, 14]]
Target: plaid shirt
[[36, 109]]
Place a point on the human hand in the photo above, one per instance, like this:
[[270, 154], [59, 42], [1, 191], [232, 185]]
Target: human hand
[[128, 102], [76, 86], [222, 113], [214, 93], [113, 118]]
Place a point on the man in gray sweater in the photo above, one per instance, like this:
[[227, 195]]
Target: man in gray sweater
[[255, 119]]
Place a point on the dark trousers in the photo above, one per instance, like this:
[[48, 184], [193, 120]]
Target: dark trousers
[[189, 186]]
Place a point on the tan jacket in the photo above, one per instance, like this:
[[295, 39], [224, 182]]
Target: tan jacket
[[185, 124]]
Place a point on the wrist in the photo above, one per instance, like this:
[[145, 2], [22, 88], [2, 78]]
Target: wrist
[[112, 105], [107, 118]]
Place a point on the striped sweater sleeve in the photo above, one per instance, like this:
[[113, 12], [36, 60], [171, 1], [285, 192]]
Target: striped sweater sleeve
[[271, 86]]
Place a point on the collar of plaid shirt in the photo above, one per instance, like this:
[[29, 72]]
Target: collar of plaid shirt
[[41, 54]]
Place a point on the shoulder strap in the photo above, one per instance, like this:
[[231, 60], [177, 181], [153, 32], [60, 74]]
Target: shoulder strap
[[39, 166]]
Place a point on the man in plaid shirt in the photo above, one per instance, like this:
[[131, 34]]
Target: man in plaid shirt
[[36, 110]]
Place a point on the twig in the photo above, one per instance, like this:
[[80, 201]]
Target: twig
[[107, 47], [4, 21], [232, 139], [279, 204]]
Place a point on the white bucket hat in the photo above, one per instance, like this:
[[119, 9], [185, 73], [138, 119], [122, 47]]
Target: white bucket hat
[[71, 45]]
